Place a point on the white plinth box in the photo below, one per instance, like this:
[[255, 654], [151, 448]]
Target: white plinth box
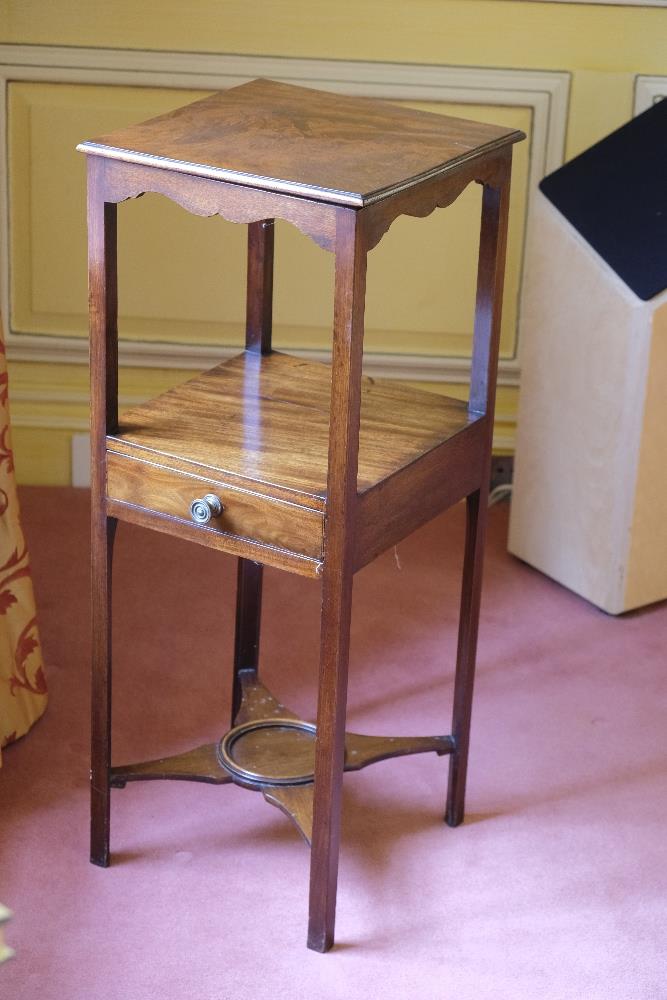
[[590, 490]]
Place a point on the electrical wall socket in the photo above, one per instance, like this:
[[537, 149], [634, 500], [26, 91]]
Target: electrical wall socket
[[502, 470]]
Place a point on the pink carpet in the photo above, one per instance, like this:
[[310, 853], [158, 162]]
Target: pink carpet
[[554, 888]]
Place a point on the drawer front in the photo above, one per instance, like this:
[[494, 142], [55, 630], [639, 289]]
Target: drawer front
[[244, 514]]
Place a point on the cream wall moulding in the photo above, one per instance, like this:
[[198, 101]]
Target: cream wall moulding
[[648, 90], [545, 94]]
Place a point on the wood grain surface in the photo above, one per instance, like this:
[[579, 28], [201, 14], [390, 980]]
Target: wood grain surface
[[263, 422], [202, 534], [338, 573], [200, 764], [345, 150], [244, 514], [296, 801], [203, 196], [412, 496]]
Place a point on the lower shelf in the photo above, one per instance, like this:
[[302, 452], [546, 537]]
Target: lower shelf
[[270, 750]]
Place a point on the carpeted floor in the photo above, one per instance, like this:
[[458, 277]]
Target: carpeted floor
[[554, 889]]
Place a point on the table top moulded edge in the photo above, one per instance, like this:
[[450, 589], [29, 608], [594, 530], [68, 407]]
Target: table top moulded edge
[[119, 146]]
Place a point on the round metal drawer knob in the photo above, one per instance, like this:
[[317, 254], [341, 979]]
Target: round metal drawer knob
[[204, 508]]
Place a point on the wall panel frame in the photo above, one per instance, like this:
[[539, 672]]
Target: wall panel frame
[[545, 93]]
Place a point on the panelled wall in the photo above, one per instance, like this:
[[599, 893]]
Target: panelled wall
[[69, 71]]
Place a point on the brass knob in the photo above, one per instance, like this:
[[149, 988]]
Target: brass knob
[[206, 507]]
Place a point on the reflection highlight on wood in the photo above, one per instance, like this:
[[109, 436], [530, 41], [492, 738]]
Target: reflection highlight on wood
[[261, 422], [257, 702]]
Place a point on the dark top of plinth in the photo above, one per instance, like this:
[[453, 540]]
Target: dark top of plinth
[[310, 143], [615, 195]]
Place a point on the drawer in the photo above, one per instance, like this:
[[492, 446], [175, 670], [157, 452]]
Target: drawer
[[245, 514]]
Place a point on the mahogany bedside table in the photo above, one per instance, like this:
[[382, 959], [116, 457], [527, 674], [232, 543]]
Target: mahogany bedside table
[[307, 467]]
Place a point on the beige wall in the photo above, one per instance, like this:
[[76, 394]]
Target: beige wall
[[182, 277]]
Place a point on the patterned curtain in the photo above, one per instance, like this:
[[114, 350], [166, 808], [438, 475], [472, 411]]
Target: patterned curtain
[[22, 683]]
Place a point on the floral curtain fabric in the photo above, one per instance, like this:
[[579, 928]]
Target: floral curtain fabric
[[22, 683]]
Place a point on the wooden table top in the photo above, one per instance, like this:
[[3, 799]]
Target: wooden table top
[[309, 143]]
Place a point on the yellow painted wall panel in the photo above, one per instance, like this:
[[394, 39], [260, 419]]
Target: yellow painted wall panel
[[50, 402], [457, 32], [599, 103], [182, 278], [42, 456], [61, 382], [453, 251]]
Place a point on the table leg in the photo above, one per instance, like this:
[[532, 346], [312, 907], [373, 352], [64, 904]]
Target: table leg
[[350, 283], [329, 759], [491, 269], [248, 621], [104, 530], [471, 591], [259, 316], [103, 304]]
